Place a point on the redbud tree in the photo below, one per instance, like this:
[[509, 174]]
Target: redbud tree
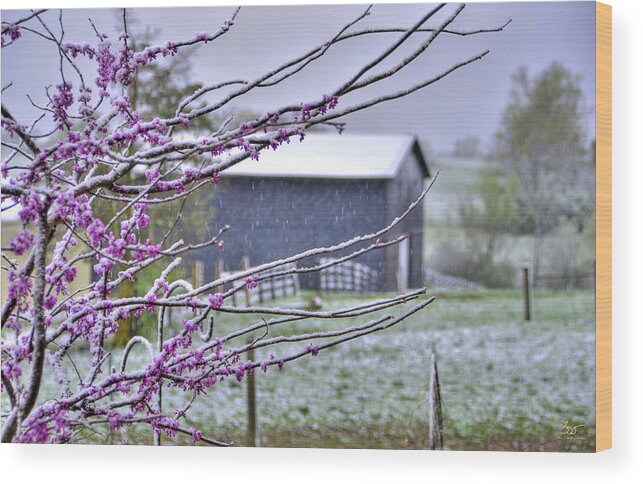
[[98, 141]]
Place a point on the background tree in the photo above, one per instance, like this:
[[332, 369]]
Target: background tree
[[155, 91], [469, 147], [542, 143], [485, 224]]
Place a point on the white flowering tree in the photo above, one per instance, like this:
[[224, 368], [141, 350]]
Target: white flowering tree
[[98, 141]]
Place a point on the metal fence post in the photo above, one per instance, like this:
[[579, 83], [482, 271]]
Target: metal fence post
[[527, 290]]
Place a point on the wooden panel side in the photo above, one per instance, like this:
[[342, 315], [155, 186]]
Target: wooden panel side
[[603, 227]]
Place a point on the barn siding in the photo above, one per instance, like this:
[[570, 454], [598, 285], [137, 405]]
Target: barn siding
[[274, 218], [401, 192]]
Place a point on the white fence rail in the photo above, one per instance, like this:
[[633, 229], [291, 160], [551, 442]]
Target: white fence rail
[[348, 276], [268, 289]]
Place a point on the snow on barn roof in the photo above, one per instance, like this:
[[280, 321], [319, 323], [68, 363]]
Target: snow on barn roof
[[347, 156]]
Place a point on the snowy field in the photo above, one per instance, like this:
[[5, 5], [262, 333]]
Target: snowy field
[[506, 384]]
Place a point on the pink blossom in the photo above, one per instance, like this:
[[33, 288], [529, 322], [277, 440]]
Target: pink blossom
[[11, 31], [215, 300], [62, 101], [252, 283], [313, 349], [32, 205], [22, 242]]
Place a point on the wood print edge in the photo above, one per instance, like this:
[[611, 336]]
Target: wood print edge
[[603, 227]]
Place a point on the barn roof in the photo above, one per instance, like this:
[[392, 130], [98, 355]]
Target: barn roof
[[347, 156]]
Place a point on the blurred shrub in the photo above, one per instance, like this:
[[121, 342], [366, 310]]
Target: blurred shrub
[[455, 260]]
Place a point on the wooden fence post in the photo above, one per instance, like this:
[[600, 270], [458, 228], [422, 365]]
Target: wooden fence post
[[527, 290], [253, 434], [435, 407], [251, 386], [197, 274], [273, 293], [218, 270]]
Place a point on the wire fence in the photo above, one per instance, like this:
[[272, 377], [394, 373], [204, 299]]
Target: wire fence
[[565, 281], [437, 280], [269, 289], [348, 276]]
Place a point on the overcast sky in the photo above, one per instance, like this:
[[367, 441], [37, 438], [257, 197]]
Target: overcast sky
[[468, 102]]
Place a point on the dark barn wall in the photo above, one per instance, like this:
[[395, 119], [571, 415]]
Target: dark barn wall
[[272, 218], [403, 190]]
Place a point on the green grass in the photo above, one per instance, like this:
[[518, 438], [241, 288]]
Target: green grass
[[506, 384]]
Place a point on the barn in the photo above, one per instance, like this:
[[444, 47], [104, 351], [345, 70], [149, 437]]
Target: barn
[[319, 192]]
